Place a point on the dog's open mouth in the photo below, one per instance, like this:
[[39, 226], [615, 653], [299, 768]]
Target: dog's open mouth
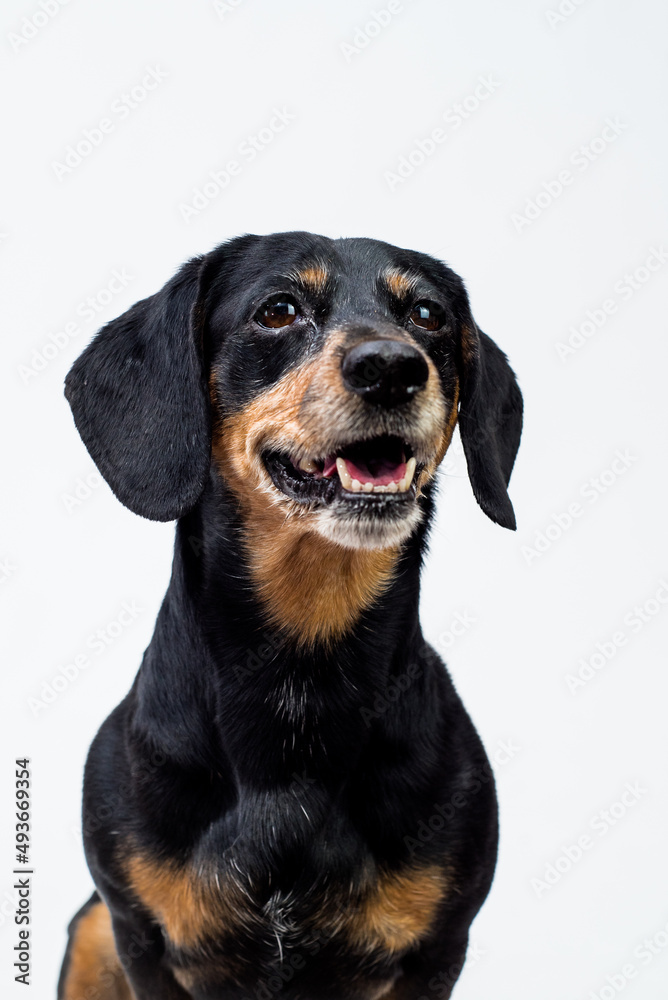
[[382, 467]]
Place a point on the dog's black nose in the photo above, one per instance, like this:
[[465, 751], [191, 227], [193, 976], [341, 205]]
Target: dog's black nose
[[385, 372]]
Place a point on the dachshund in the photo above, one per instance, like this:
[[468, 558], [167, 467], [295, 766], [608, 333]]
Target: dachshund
[[292, 801]]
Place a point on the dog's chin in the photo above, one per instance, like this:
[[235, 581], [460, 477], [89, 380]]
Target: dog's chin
[[368, 529], [361, 497]]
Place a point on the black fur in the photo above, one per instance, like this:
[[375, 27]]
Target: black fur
[[202, 761], [140, 401]]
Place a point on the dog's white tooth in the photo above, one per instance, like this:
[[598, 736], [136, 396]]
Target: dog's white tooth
[[410, 472], [392, 487], [344, 475], [367, 487], [356, 486], [380, 489]]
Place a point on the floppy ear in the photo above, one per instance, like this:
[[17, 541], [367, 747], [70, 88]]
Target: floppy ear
[[140, 402], [490, 422]]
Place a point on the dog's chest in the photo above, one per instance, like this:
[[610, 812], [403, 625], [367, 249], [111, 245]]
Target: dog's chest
[[224, 921]]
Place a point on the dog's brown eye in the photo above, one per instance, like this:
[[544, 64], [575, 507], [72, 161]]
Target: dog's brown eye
[[278, 311], [427, 315]]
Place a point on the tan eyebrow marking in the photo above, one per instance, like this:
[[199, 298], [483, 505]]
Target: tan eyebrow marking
[[312, 278], [400, 283]]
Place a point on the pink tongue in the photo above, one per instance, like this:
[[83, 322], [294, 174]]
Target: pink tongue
[[385, 472]]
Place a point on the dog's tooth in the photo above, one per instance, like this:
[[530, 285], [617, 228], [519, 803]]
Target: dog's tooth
[[356, 486], [308, 465], [404, 484], [344, 475], [367, 487], [380, 489], [392, 487]]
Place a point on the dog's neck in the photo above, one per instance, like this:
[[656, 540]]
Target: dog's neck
[[305, 703], [312, 589]]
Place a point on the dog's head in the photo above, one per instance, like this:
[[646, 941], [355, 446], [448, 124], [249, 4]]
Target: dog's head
[[325, 377]]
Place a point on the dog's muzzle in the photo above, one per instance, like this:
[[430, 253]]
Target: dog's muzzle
[[384, 375]]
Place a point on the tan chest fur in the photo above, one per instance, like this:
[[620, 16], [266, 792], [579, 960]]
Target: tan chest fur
[[389, 911]]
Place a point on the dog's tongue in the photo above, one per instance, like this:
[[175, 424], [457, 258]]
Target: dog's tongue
[[379, 471]]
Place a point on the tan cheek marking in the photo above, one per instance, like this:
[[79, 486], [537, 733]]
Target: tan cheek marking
[[274, 415], [188, 908], [93, 960], [430, 469], [311, 587]]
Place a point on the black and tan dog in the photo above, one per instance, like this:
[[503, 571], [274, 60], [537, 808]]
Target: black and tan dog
[[291, 801]]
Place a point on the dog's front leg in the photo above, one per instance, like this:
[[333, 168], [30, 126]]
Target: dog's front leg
[[118, 957], [432, 971], [140, 949]]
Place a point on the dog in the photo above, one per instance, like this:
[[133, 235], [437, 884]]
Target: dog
[[292, 800]]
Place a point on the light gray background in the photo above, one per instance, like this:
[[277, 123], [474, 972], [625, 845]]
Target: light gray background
[[552, 84]]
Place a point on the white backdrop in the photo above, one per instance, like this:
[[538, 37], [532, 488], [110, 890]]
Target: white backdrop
[[524, 143]]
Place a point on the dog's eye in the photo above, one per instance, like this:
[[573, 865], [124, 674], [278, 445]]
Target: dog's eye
[[278, 311], [427, 315]]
